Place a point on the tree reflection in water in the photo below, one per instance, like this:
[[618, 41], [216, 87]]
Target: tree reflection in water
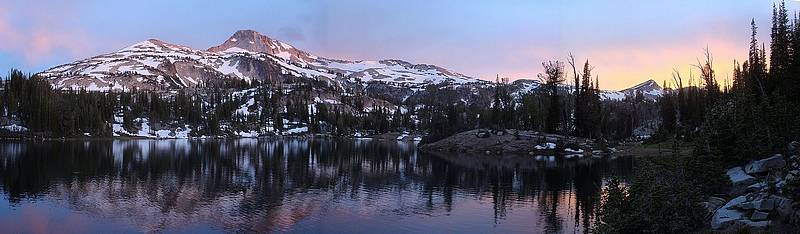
[[303, 185]]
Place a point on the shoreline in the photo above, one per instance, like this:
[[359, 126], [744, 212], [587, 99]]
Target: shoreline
[[381, 137]]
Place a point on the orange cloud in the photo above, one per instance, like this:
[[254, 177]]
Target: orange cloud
[[622, 66]]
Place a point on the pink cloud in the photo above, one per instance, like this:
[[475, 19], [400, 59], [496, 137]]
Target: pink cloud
[[41, 36]]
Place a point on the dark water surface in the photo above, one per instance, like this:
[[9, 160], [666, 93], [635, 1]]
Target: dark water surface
[[303, 186]]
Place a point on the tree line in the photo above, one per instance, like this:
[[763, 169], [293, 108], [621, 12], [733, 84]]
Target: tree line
[[553, 108], [577, 110]]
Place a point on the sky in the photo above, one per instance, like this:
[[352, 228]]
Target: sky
[[626, 41]]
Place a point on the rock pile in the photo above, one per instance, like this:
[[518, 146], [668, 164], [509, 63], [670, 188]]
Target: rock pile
[[762, 194]]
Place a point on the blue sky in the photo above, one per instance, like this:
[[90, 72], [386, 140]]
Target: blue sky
[[627, 41]]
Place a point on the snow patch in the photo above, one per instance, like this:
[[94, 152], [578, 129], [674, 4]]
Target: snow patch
[[14, 128], [546, 146]]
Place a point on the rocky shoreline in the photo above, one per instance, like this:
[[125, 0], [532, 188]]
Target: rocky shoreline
[[762, 194], [516, 142]]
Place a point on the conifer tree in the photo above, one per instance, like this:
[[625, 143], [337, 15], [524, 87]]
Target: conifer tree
[[553, 76], [779, 48]]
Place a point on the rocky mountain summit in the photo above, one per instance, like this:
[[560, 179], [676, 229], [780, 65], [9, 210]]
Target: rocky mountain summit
[[649, 89], [249, 41]]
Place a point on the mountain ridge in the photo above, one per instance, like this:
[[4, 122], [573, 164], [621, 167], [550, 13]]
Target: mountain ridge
[[247, 55]]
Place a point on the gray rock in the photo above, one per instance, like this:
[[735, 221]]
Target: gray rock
[[759, 216], [482, 134], [739, 178], [765, 204], [756, 187], [783, 205], [754, 224], [713, 204], [728, 214], [764, 165]]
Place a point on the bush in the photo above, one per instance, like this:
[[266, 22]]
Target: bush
[[663, 197], [614, 215]]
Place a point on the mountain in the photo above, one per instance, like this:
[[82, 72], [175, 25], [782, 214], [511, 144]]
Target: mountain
[[650, 89], [247, 55], [249, 41], [250, 56]]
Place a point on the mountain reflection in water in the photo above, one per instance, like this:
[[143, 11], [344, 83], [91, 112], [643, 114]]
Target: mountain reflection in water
[[289, 185]]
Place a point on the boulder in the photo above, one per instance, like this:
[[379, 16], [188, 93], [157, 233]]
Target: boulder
[[780, 184], [765, 165], [754, 224], [783, 205], [728, 214], [739, 178], [713, 204], [759, 216], [756, 187], [766, 204]]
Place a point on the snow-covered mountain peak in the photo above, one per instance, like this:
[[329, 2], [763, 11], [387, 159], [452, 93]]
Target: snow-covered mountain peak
[[155, 45], [252, 41], [649, 89], [647, 85]]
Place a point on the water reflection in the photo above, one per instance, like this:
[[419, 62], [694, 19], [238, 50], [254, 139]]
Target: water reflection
[[292, 185]]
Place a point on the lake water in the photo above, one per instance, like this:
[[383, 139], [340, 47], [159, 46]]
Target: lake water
[[297, 186]]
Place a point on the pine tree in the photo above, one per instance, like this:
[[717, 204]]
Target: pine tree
[[779, 48], [791, 83], [584, 103], [756, 65], [552, 78]]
